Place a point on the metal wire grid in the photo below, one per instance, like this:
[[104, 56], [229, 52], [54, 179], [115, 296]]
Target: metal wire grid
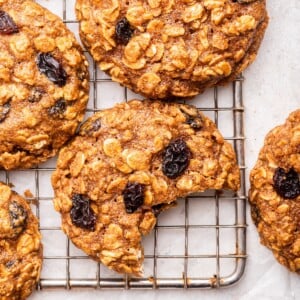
[[199, 244]]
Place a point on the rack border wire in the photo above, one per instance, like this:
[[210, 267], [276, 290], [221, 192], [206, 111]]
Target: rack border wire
[[237, 201]]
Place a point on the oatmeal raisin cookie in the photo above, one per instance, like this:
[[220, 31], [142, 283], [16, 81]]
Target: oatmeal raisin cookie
[[125, 164], [20, 246], [275, 192], [43, 84], [168, 49]]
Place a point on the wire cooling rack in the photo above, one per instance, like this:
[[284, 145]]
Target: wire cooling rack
[[201, 243]]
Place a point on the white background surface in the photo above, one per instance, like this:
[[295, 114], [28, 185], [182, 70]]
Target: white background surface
[[271, 91]]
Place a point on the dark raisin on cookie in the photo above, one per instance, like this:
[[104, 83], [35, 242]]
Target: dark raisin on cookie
[[123, 31], [286, 184], [81, 212], [192, 119], [18, 217], [58, 108], [176, 158], [195, 122], [96, 125], [17, 149], [49, 66], [255, 214], [7, 24], [133, 195], [89, 127], [156, 209], [4, 110], [36, 94], [10, 263]]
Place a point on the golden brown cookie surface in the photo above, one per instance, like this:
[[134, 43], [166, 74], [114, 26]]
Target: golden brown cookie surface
[[20, 246], [275, 192], [167, 48], [43, 84], [127, 161]]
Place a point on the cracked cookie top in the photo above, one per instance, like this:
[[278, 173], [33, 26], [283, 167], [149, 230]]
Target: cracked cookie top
[[43, 84], [275, 192], [127, 163], [167, 48], [20, 246]]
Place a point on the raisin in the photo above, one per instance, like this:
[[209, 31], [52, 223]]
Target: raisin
[[17, 149], [49, 66], [58, 108], [96, 125], [157, 209], [194, 122], [36, 95], [10, 263], [7, 24], [255, 214], [18, 217], [133, 195], [123, 31], [176, 158], [286, 184], [88, 128], [4, 110], [81, 213]]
